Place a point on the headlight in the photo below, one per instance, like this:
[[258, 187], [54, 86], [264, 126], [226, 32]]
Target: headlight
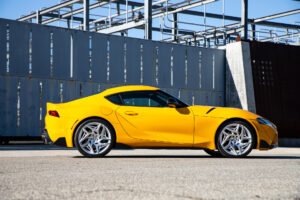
[[266, 122]]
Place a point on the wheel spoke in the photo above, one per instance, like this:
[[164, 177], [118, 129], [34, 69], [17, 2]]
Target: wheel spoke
[[240, 149], [242, 133], [85, 135], [228, 145], [90, 148], [229, 129], [97, 149], [98, 128], [226, 137], [102, 134], [85, 144], [232, 149], [237, 128], [245, 144]]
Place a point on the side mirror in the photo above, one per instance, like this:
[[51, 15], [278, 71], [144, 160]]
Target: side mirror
[[173, 103]]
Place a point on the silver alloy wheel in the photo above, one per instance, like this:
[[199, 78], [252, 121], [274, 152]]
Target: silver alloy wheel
[[235, 139], [94, 138]]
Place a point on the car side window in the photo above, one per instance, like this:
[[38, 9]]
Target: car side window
[[148, 98], [115, 98], [143, 98]]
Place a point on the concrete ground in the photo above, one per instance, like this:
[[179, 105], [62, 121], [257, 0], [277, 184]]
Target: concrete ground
[[48, 172]]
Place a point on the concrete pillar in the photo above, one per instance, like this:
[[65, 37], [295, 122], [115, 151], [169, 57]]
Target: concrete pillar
[[239, 81]]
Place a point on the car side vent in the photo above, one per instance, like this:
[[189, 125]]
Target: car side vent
[[210, 110]]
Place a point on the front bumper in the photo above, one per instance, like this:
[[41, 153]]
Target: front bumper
[[267, 135], [263, 145]]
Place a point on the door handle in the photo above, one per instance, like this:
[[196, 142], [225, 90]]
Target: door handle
[[132, 113]]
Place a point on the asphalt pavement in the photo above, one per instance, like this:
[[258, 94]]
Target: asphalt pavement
[[49, 172]]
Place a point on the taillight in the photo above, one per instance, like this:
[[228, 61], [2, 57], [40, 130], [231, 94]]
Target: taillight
[[53, 113]]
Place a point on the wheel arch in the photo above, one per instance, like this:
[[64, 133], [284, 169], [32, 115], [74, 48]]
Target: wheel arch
[[238, 119], [88, 118]]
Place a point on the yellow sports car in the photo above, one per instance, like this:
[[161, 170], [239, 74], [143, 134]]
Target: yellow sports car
[[147, 117]]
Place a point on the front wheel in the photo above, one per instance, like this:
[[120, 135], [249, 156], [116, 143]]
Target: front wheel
[[94, 138], [235, 139]]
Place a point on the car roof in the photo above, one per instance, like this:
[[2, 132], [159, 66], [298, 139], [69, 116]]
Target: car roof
[[127, 89]]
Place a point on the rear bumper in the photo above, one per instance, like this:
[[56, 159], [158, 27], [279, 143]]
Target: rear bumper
[[47, 140], [45, 137]]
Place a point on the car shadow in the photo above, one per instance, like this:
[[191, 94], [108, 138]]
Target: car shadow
[[26, 147], [192, 156]]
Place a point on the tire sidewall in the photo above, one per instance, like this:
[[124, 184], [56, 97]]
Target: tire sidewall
[[112, 132], [224, 153]]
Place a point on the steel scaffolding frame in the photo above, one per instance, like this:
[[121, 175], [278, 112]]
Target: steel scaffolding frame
[[119, 16]]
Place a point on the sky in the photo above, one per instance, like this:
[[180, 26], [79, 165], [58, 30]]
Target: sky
[[12, 9]]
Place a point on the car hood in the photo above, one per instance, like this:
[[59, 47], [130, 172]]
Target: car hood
[[222, 112]]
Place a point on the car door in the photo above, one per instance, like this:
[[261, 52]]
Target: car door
[[146, 115]]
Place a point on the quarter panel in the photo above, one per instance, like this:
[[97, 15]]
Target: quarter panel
[[74, 112], [205, 131]]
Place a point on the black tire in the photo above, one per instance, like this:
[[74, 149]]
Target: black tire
[[213, 153], [82, 150], [247, 130]]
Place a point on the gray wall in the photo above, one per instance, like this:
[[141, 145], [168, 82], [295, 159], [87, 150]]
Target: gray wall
[[239, 80], [40, 64]]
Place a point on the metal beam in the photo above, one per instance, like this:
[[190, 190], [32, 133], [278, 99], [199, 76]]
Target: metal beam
[[250, 21], [280, 37], [232, 28], [147, 32], [38, 17], [50, 9], [122, 13], [122, 27], [244, 19], [185, 7], [166, 30], [259, 21], [159, 10], [278, 25], [77, 11], [86, 15], [252, 31], [148, 19], [283, 14], [174, 27], [79, 19]]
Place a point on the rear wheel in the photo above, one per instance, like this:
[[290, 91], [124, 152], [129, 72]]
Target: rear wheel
[[235, 139], [94, 138]]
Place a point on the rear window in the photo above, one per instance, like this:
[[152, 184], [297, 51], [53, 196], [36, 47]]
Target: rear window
[[115, 98]]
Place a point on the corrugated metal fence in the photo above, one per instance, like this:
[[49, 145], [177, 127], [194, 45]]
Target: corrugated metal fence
[[276, 70], [40, 64]]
